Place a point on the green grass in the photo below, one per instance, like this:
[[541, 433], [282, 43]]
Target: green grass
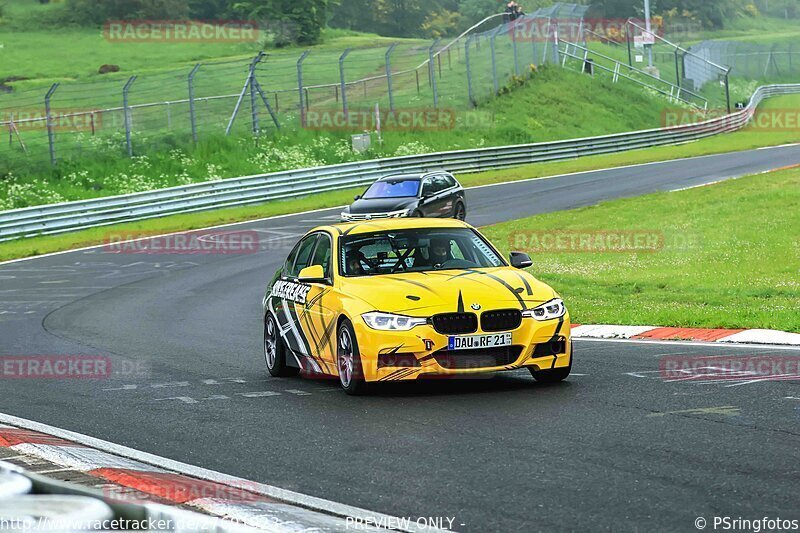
[[554, 104], [730, 257], [743, 140]]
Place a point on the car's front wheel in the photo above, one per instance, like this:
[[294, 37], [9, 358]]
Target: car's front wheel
[[348, 360], [460, 212], [275, 350]]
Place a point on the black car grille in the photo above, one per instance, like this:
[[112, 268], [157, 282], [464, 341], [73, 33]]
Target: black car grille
[[479, 358], [504, 320], [455, 323]]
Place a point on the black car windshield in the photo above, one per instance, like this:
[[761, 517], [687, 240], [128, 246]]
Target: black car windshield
[[417, 250], [401, 188]]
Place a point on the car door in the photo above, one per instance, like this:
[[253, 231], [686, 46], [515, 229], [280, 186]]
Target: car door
[[446, 194], [433, 201], [317, 317], [288, 297]]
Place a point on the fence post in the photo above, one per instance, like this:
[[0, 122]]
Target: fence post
[[512, 27], [628, 39], [432, 73], [469, 73], [678, 72], [253, 107], [51, 139], [387, 57], [728, 90], [247, 83], [556, 56], [192, 111], [494, 61], [300, 91], [127, 114], [546, 40], [342, 82]]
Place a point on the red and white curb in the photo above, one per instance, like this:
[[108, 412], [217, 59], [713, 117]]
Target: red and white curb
[[736, 336], [170, 482]]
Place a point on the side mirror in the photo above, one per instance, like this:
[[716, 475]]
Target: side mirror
[[357, 197], [312, 274], [520, 260]]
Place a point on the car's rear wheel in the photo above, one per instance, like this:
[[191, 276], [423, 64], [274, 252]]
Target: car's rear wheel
[[552, 376], [348, 360], [460, 212], [275, 350]]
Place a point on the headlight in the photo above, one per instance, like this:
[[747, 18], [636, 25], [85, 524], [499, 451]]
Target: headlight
[[345, 215], [398, 214], [390, 322], [547, 311]]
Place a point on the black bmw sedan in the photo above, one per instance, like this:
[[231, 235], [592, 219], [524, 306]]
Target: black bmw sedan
[[431, 194]]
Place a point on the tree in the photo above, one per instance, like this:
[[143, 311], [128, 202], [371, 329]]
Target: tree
[[297, 21]]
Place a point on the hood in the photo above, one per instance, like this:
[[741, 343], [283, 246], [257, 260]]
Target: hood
[[381, 205], [449, 291]]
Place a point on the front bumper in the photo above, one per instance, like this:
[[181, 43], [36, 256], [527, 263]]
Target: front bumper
[[406, 355]]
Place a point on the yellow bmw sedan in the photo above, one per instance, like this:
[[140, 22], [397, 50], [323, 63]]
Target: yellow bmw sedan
[[404, 299]]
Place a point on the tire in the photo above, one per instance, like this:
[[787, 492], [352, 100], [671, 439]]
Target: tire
[[553, 376], [348, 360], [460, 212], [275, 351], [417, 214]]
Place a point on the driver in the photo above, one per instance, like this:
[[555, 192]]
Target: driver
[[354, 259], [439, 250]]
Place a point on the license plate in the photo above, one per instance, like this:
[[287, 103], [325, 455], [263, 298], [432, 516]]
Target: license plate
[[472, 342]]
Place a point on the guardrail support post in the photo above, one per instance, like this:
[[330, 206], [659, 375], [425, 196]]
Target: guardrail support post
[[342, 81], [432, 73], [469, 73], [51, 138], [192, 110], [300, 90], [127, 115], [387, 58]]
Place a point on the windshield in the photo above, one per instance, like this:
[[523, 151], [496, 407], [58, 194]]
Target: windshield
[[405, 188], [417, 250]]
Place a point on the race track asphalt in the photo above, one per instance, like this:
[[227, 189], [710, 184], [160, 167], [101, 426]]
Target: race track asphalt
[[617, 446]]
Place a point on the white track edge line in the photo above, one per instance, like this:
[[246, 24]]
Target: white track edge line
[[287, 496]]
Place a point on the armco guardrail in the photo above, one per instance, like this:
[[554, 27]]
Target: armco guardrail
[[32, 502], [72, 216]]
